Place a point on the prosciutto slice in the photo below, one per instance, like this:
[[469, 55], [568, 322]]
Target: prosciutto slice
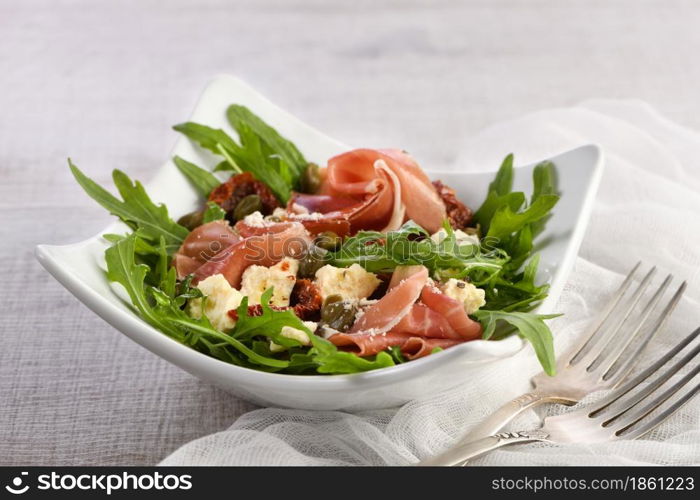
[[422, 321], [375, 190], [263, 245], [366, 344], [423, 204], [388, 311], [453, 311], [203, 243], [418, 347]]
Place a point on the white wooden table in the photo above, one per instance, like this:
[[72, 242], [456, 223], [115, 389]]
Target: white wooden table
[[104, 83]]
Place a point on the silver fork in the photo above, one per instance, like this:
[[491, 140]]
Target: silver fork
[[597, 361], [620, 415]]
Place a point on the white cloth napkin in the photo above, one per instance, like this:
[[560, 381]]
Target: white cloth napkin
[[648, 208]]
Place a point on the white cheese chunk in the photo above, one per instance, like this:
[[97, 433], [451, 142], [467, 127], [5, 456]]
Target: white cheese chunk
[[351, 283], [220, 299], [466, 293], [461, 237], [255, 219], [296, 334], [282, 277]]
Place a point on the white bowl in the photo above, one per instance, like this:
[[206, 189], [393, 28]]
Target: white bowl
[[79, 267]]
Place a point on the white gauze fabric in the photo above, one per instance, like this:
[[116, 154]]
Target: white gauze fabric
[[648, 208]]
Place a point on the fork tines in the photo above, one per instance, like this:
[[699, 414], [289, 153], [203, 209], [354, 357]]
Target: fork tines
[[623, 411], [604, 350]]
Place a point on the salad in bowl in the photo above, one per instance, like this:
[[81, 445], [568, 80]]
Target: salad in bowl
[[359, 264]]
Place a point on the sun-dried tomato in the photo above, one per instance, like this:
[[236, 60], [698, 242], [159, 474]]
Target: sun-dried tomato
[[306, 300], [458, 213], [229, 193]]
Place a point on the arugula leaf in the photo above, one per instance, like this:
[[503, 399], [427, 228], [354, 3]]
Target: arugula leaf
[[123, 269], [506, 221], [268, 323], [545, 183], [502, 184], [330, 360], [205, 136], [260, 150], [255, 157], [412, 245], [213, 212], [241, 118], [163, 310], [396, 354], [202, 180], [529, 326], [136, 210]]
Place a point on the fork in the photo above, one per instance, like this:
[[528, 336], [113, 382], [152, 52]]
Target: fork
[[595, 363], [620, 415]]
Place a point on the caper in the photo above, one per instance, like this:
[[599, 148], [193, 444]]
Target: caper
[[192, 220], [313, 260], [473, 230], [248, 205], [328, 240], [310, 180], [337, 313]]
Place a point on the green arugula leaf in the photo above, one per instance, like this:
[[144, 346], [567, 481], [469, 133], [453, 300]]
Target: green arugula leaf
[[412, 245], [545, 183], [255, 157], [506, 221], [213, 212], [330, 360], [136, 210], [260, 150], [502, 184], [241, 118], [268, 323], [122, 268], [202, 180], [163, 310], [529, 326], [207, 137]]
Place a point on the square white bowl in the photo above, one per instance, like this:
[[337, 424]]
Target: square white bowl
[[79, 267]]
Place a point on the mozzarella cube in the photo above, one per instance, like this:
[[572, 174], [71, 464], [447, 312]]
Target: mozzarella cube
[[282, 277], [296, 334], [220, 299], [466, 293], [255, 219], [351, 283], [461, 237]]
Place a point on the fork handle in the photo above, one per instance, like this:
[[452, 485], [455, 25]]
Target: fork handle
[[464, 451], [498, 419]]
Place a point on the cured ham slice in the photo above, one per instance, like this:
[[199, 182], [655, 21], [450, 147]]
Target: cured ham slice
[[388, 311], [453, 311], [422, 321], [287, 239], [423, 204], [368, 344], [313, 224], [401, 273], [418, 347], [203, 243], [376, 190], [322, 203]]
